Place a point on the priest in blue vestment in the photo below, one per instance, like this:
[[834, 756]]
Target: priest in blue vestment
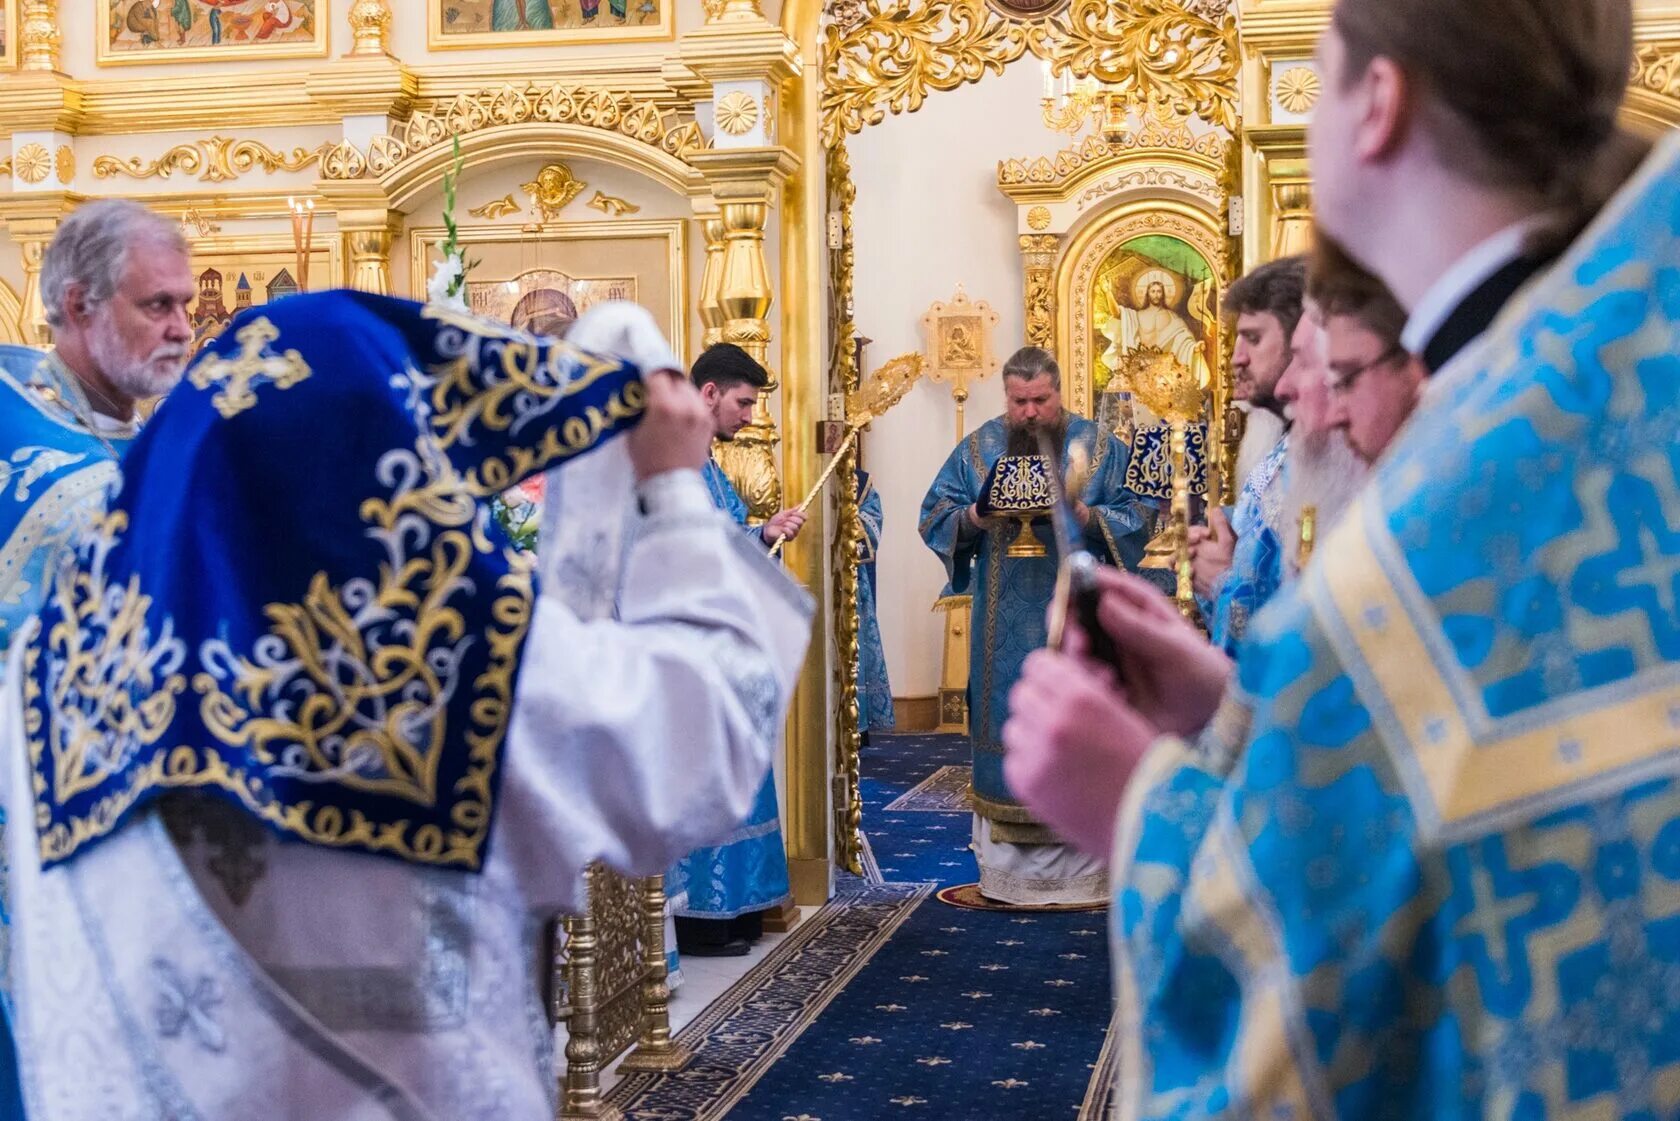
[[117, 284], [875, 701], [1237, 561], [720, 893], [1422, 859], [1020, 862]]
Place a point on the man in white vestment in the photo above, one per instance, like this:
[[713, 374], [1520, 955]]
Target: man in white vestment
[[309, 756]]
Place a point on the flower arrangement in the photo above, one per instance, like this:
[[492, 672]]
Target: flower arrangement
[[518, 511], [448, 284]]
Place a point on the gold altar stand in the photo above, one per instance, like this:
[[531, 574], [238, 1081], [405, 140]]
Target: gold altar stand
[[609, 987]]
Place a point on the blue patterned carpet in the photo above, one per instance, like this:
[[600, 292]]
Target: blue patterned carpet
[[958, 1015]]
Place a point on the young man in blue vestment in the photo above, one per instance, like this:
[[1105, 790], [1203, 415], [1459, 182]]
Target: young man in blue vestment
[[1419, 856], [117, 283], [1237, 562], [720, 893], [1020, 861]]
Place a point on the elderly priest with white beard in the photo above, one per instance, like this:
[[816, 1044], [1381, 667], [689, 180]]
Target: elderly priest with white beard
[[310, 754]]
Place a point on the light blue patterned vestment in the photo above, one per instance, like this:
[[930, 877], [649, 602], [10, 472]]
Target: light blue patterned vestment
[[1011, 594], [54, 478], [875, 703], [1426, 864], [748, 870], [1256, 571]]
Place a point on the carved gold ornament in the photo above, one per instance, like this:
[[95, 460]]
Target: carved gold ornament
[[736, 113], [39, 36], [32, 163], [370, 27], [216, 160], [441, 123], [497, 208], [1656, 67], [1038, 218], [1154, 135], [613, 206], [1156, 51], [64, 163], [1297, 90], [553, 189], [959, 344]]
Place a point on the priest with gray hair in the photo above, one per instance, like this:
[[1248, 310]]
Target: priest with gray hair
[[116, 283]]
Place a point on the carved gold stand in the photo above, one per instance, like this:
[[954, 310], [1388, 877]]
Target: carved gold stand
[[656, 1050], [953, 664], [612, 990]]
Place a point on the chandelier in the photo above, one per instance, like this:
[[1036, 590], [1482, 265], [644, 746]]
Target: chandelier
[[1071, 103]]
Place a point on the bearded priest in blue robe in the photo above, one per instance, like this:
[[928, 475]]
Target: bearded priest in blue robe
[[309, 752], [1020, 861]]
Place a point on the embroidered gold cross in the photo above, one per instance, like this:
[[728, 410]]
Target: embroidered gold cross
[[237, 375]]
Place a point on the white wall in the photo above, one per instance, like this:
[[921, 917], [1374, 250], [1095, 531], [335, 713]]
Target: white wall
[[928, 217]]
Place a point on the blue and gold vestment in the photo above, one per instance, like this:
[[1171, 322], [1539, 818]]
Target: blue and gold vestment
[[1257, 567], [53, 478], [1426, 863], [747, 871], [875, 702], [1012, 594], [340, 662]]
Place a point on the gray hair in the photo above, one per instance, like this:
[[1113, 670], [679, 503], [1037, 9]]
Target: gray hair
[[91, 249], [1031, 362]]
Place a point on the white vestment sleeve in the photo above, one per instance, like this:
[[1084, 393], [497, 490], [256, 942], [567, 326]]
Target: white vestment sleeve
[[636, 739]]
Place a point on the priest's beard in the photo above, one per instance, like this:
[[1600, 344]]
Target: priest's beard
[[1322, 472], [137, 376], [1023, 437]]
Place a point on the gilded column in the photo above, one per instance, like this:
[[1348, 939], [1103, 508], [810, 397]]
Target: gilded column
[[368, 255], [33, 315], [1038, 255], [39, 39], [711, 281], [804, 406], [31, 221], [1291, 208]]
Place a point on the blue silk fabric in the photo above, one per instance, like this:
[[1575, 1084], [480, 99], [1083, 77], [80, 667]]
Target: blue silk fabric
[[298, 601], [747, 871], [54, 476], [1012, 594], [1428, 864], [875, 702]]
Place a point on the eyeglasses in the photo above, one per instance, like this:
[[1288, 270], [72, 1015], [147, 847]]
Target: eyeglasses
[[1343, 382]]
